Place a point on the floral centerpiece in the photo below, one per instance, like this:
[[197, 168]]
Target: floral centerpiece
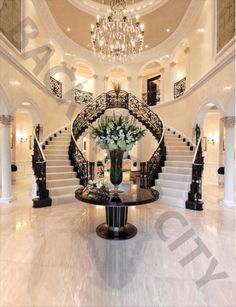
[[116, 134]]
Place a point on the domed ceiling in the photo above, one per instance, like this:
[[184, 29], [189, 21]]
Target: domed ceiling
[[75, 21]]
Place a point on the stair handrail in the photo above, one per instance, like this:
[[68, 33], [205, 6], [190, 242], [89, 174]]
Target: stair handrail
[[83, 168], [40, 172], [194, 200], [150, 169]]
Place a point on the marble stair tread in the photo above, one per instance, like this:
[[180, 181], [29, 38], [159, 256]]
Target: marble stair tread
[[178, 163], [173, 192], [54, 191], [172, 183], [56, 157], [58, 162], [172, 201], [51, 183], [64, 199], [177, 170], [179, 158], [63, 175], [173, 176], [55, 169]]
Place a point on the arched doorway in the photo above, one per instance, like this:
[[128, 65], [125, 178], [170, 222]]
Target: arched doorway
[[151, 83], [213, 145]]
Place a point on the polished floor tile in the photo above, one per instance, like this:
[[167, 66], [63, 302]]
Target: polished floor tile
[[53, 257]]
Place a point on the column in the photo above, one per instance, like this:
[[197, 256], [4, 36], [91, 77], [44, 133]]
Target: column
[[172, 77], [229, 179], [136, 86], [106, 84], [188, 67], [6, 196], [162, 89], [129, 80], [67, 78]]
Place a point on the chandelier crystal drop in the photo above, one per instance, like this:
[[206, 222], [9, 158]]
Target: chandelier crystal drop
[[117, 35]]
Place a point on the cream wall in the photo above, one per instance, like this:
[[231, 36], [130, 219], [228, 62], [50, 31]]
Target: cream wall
[[211, 130], [51, 113]]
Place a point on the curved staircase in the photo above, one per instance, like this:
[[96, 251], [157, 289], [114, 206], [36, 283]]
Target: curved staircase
[[61, 179], [175, 179]]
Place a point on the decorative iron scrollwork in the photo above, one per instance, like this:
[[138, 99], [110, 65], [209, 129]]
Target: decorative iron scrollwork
[[179, 88], [56, 87], [138, 109], [39, 168]]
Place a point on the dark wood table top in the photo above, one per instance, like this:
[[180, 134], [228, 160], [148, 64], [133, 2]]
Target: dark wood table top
[[132, 195]]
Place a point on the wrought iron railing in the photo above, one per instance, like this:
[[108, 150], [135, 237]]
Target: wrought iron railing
[[55, 87], [179, 88], [39, 168], [194, 201], [92, 111], [138, 109], [150, 169]]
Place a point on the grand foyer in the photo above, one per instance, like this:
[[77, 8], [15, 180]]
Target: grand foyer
[[181, 89]]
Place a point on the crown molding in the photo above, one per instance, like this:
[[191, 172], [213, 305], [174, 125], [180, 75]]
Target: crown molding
[[160, 50], [141, 8]]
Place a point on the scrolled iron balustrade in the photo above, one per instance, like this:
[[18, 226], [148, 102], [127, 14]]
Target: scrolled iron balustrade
[[138, 109], [39, 168], [194, 201]]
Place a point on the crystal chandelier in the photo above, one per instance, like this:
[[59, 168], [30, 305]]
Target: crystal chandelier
[[116, 36]]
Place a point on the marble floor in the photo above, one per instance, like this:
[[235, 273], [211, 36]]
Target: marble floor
[[53, 257]]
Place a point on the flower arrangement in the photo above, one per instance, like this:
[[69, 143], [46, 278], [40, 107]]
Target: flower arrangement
[[117, 132]]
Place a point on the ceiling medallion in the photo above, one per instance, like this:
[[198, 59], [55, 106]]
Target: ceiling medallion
[[117, 36]]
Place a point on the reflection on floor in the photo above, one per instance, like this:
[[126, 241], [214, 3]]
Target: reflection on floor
[[53, 257]]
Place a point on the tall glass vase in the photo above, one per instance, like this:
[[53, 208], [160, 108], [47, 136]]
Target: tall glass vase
[[116, 173]]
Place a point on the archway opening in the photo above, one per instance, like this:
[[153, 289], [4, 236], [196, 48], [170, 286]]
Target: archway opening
[[151, 83], [84, 83]]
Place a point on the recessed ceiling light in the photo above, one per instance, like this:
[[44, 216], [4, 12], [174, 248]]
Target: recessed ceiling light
[[200, 30], [88, 45], [68, 29], [26, 103], [167, 30], [14, 82], [146, 46]]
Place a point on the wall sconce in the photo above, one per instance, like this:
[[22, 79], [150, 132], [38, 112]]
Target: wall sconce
[[21, 136], [212, 138]]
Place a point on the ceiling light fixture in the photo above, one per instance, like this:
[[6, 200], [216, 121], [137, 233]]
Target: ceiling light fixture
[[168, 30], [116, 36]]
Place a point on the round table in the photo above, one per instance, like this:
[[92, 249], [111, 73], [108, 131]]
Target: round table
[[116, 209]]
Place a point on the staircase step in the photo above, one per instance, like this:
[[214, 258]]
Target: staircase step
[[173, 184], [172, 201], [178, 193], [175, 177], [56, 147], [179, 158], [179, 163], [63, 190], [64, 199], [62, 175], [56, 152], [58, 162], [62, 182], [56, 157], [60, 143], [186, 152], [60, 169], [177, 170], [182, 147]]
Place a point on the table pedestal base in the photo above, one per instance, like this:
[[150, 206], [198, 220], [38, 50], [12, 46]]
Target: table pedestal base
[[126, 232], [116, 226]]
